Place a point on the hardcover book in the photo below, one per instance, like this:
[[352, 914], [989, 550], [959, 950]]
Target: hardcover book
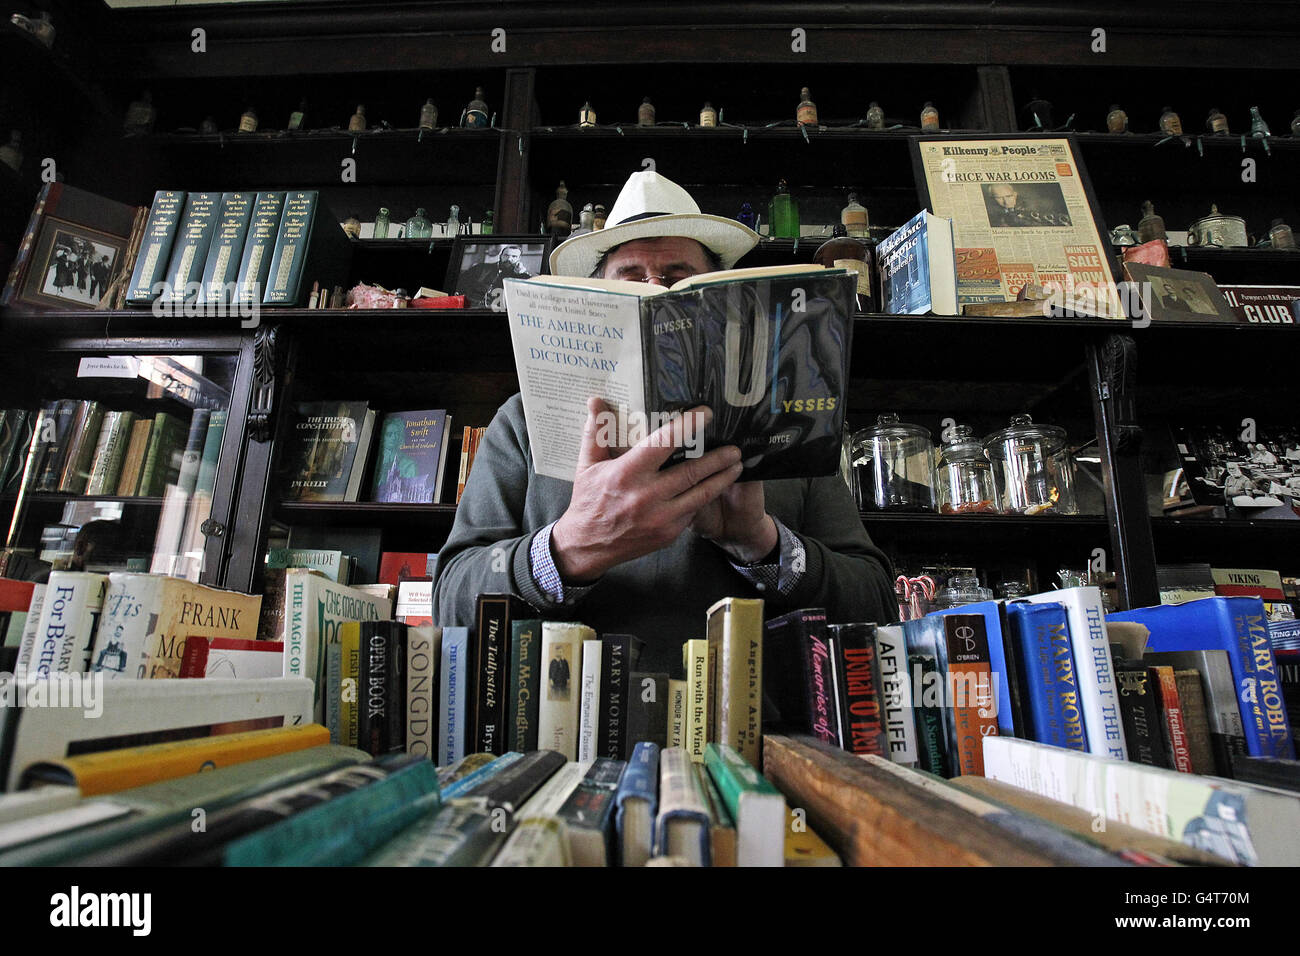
[[559, 709], [255, 261], [327, 451], [412, 456], [858, 687], [190, 250], [221, 269], [896, 690], [492, 636], [647, 717], [588, 814], [1040, 638], [735, 629], [150, 274], [801, 681], [381, 711], [525, 684], [309, 247], [453, 677], [766, 349], [918, 269], [619, 654]]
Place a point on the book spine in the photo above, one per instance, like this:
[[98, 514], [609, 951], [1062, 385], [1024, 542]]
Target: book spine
[[525, 641], [451, 709], [973, 705], [615, 677], [647, 718], [349, 683], [81, 448], [156, 247], [333, 691], [896, 695], [164, 442], [1195, 723], [296, 224], [1259, 691], [677, 706], [1096, 675], [69, 617], [1227, 736], [589, 704], [695, 665], [221, 269], [1142, 715], [1051, 687], [255, 262], [738, 626], [491, 655], [860, 689], [382, 717], [420, 652], [111, 456], [132, 603], [53, 435], [559, 711], [932, 757], [190, 248], [27, 646], [192, 456], [1162, 678], [464, 462]]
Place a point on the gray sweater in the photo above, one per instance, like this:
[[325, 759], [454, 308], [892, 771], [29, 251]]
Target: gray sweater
[[661, 597]]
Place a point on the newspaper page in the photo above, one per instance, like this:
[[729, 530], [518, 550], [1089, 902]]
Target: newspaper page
[[571, 343], [1020, 215]]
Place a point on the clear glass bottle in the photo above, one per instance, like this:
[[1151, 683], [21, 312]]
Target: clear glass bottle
[[875, 116], [894, 463], [806, 113], [429, 115], [11, 154], [418, 226], [381, 224], [1116, 120], [559, 214], [476, 111], [962, 588], [783, 213], [1257, 125], [855, 219], [965, 475], [598, 218], [140, 115], [586, 115], [357, 123], [1013, 590], [486, 227], [453, 221], [297, 117], [645, 113], [1216, 122], [1280, 235], [843, 251], [708, 115], [1033, 470], [929, 118], [248, 121], [1170, 123]]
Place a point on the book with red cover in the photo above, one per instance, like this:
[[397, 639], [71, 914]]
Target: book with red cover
[[1175, 728], [15, 595], [230, 657], [971, 711], [860, 694], [398, 566]]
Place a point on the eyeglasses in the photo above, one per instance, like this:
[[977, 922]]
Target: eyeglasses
[[670, 279]]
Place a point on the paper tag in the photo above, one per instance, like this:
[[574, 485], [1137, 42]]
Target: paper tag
[[108, 366]]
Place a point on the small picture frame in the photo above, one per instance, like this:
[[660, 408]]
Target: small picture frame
[[1179, 295], [480, 264], [72, 266]]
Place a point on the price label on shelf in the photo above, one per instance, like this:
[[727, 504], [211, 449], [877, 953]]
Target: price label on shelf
[[108, 366]]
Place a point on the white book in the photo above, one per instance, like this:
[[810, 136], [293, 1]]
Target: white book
[[539, 837], [558, 712], [682, 827], [314, 607], [37, 802], [91, 711], [451, 695], [1255, 826], [423, 650], [69, 617], [589, 713], [1092, 666], [900, 721], [27, 646], [414, 599]]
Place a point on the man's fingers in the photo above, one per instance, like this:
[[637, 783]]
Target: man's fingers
[[703, 492], [592, 450], [682, 431], [684, 475]]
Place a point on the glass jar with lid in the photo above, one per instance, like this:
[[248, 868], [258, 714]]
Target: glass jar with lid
[[965, 475], [894, 465], [1033, 469], [962, 588]]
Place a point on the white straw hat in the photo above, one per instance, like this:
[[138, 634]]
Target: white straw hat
[[651, 206]]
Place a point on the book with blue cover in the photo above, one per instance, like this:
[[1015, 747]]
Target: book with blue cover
[[637, 804], [452, 693], [1238, 625], [918, 267], [1011, 721], [1041, 634], [412, 456]]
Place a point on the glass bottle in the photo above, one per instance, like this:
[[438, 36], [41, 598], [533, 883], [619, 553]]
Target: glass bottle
[[894, 465], [1295, 124], [1216, 122], [1280, 235], [1033, 470], [843, 251], [806, 113], [486, 227], [381, 224], [1116, 120], [453, 221], [586, 115], [1038, 113], [875, 116], [559, 214], [476, 111], [962, 588], [352, 227], [248, 121], [965, 475], [297, 116], [418, 226], [1257, 125], [140, 115], [428, 115], [1150, 226], [1013, 590], [586, 220], [854, 217], [1170, 124], [746, 216], [929, 118], [11, 154], [209, 125], [783, 213], [645, 113], [357, 123], [598, 219], [708, 115]]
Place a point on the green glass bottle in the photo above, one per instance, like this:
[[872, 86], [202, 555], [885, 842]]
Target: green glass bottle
[[381, 224], [783, 214], [486, 227]]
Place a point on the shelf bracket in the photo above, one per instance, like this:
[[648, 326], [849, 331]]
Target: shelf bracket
[[267, 358]]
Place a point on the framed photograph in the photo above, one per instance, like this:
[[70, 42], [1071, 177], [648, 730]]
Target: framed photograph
[[1023, 212], [1178, 294], [72, 265], [479, 265], [1255, 471]]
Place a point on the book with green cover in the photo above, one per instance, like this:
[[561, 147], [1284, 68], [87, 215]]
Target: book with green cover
[[162, 460], [259, 241], [310, 247], [106, 468], [190, 249], [221, 270], [81, 447], [757, 807], [525, 684], [156, 248]]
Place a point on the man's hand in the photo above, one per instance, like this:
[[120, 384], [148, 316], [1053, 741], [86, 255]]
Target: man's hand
[[625, 507], [737, 522]]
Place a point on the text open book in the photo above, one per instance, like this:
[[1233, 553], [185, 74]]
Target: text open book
[[767, 349]]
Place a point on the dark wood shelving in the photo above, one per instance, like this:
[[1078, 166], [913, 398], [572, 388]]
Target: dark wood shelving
[[431, 518], [51, 497]]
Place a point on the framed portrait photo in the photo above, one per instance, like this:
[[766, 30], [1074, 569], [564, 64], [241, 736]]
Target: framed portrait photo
[[1179, 294], [72, 266], [1023, 212], [481, 264]]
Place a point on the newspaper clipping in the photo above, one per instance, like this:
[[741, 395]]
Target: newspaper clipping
[[1020, 216]]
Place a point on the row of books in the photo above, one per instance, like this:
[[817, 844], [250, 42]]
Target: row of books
[[329, 451]]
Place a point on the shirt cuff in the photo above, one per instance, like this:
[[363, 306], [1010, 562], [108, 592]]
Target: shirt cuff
[[783, 575], [541, 563]]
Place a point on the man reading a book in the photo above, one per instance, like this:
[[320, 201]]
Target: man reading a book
[[629, 546]]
